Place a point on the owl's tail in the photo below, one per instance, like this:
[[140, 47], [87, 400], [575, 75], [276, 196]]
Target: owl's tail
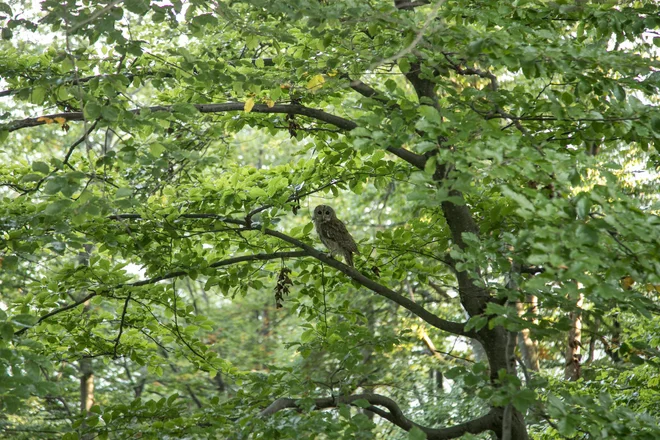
[[348, 256]]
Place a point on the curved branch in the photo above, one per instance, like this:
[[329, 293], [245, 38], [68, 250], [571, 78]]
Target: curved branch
[[456, 328], [290, 109], [437, 322], [392, 413], [414, 159]]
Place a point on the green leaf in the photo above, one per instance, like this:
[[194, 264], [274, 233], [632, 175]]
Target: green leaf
[[476, 322], [123, 193], [430, 113], [362, 403], [583, 207], [404, 65], [25, 319], [522, 201], [92, 110], [416, 434], [110, 113], [40, 167], [31, 178], [9, 262], [53, 186], [7, 33], [156, 149], [57, 207], [524, 399], [308, 336], [6, 331], [256, 192], [139, 7], [186, 109], [38, 94], [5, 8]]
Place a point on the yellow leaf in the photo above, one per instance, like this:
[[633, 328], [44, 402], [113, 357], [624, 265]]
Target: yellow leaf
[[60, 120], [45, 119], [249, 103], [316, 82], [285, 86], [653, 287], [270, 103], [627, 282], [332, 73]]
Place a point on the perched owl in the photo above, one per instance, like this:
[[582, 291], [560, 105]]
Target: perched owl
[[333, 233]]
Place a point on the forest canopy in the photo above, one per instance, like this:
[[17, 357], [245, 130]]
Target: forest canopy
[[495, 163]]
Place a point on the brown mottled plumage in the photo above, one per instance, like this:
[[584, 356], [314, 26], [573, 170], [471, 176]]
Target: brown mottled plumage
[[333, 233]]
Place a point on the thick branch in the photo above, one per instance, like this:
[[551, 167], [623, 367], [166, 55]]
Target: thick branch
[[414, 159], [391, 413], [442, 324], [406, 5], [472, 71], [291, 109]]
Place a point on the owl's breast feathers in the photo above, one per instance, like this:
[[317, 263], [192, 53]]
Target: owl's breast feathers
[[337, 232]]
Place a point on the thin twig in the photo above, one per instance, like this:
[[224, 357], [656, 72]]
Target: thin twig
[[121, 325]]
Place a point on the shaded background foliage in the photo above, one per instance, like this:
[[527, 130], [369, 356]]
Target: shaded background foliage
[[148, 147]]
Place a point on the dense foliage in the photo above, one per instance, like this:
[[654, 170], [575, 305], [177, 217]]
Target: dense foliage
[[496, 162]]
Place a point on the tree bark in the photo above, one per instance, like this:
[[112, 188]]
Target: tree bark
[[528, 346], [572, 371], [474, 298], [86, 384]]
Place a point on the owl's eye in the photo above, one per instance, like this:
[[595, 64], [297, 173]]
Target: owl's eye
[[327, 212]]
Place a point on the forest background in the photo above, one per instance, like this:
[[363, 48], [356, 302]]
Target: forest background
[[496, 163]]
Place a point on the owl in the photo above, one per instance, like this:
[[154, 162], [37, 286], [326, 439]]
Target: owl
[[333, 233]]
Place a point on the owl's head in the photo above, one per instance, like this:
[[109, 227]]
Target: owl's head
[[323, 213]]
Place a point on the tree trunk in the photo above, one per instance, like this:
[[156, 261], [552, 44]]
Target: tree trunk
[[572, 371], [528, 346], [86, 384]]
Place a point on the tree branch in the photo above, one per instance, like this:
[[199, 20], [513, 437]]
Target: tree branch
[[291, 109], [78, 142], [406, 5], [291, 198], [57, 311], [121, 325], [456, 328], [414, 159], [392, 413], [227, 262]]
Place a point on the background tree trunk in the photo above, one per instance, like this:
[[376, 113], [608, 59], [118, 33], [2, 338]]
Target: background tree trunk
[[572, 370]]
